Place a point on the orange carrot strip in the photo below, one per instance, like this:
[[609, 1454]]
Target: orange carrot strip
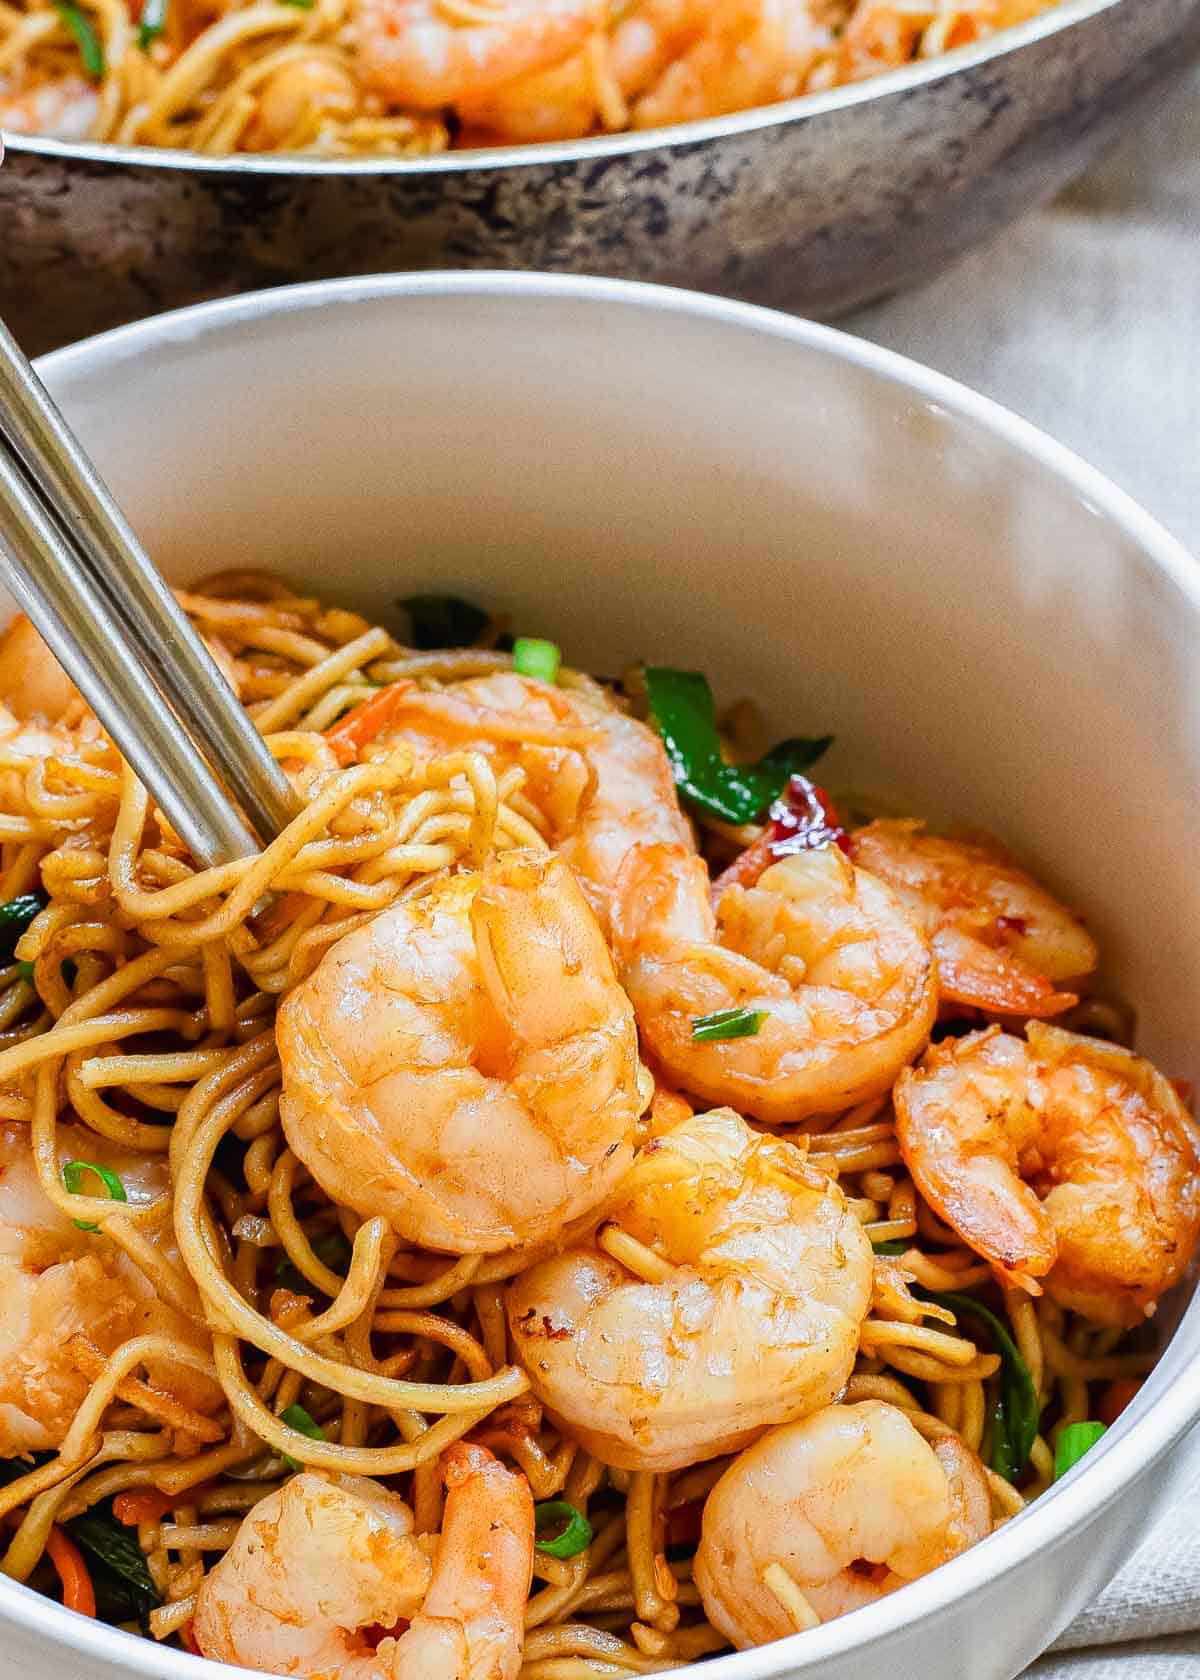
[[66, 1557], [352, 733]]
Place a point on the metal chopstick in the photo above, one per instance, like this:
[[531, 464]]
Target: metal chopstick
[[121, 571], [43, 572]]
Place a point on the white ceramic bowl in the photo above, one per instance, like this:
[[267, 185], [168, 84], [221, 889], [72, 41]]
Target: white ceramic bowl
[[986, 623]]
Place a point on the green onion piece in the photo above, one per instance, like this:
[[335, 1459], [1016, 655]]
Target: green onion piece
[[683, 711], [25, 970], [86, 39], [297, 1418], [535, 658], [576, 1531], [152, 22], [73, 1174], [15, 916], [893, 1245], [1073, 1441], [727, 1023], [440, 621], [1017, 1415]]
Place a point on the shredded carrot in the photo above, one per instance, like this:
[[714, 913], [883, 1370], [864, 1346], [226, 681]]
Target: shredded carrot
[[352, 733], [143, 1505], [66, 1557]]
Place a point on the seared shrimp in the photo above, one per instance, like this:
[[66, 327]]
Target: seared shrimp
[[321, 1566], [58, 1282], [680, 60], [601, 778], [426, 54], [1003, 943], [1061, 1158], [838, 969], [790, 1525], [726, 1295], [65, 108], [33, 685], [466, 1065]]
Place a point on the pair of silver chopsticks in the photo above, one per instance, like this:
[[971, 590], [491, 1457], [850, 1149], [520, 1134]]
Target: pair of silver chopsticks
[[74, 565]]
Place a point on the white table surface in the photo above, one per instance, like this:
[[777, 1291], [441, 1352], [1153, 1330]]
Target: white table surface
[[1085, 318]]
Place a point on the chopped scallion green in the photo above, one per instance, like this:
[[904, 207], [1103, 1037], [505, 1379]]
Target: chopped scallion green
[[440, 621], [152, 22], [575, 1531], [533, 657], [1074, 1440], [893, 1245], [683, 711], [15, 916], [298, 1419], [1017, 1411], [86, 39], [73, 1175], [727, 1023], [25, 970]]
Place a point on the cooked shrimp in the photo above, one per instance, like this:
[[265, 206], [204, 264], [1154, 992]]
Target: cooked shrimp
[[811, 1504], [840, 972], [321, 1566], [601, 779], [1003, 943], [747, 1279], [65, 108], [426, 54], [681, 60], [1061, 1158], [57, 1282], [466, 1064], [33, 685]]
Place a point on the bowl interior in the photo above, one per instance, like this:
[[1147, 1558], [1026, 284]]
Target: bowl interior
[[994, 634], [682, 484]]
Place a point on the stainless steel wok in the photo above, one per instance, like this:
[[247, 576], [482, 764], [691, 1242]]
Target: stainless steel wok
[[815, 205]]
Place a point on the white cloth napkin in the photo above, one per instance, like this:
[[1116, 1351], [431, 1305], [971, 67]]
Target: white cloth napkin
[[1085, 318]]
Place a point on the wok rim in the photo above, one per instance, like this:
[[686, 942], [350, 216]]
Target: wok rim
[[595, 149], [1168, 1406]]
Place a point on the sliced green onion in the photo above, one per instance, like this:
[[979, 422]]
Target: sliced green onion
[[683, 711], [534, 658], [86, 39], [893, 1245], [728, 1023], [15, 916], [1073, 1441], [440, 621], [297, 1418], [152, 22], [73, 1175], [576, 1530], [25, 970], [1017, 1413]]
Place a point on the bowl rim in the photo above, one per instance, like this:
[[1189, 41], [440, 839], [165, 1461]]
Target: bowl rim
[[596, 148], [1165, 1408]]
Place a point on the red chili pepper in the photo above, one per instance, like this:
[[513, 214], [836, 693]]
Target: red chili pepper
[[802, 819], [683, 1524], [187, 1634], [1116, 1397], [360, 726]]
